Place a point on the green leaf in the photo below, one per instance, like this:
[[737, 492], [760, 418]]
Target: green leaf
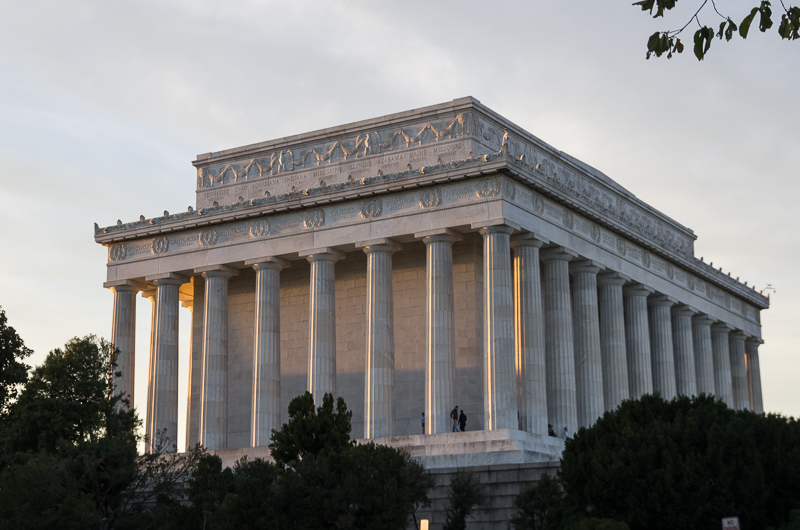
[[744, 27], [765, 21], [721, 30], [731, 28], [702, 41]]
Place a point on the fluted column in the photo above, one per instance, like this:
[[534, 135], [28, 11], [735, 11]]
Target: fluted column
[[741, 394], [214, 393], [500, 379], [123, 336], [150, 294], [586, 326], [663, 357], [440, 358], [637, 340], [685, 372], [559, 339], [322, 322], [703, 354], [188, 438], [162, 415], [720, 347], [266, 406], [754, 375], [612, 338], [529, 334], [379, 354]]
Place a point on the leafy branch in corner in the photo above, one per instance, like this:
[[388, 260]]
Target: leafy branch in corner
[[667, 42]]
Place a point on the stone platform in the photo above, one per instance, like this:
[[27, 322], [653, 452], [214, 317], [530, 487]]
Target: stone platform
[[452, 450]]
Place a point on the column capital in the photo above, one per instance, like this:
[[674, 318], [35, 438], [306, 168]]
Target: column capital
[[612, 278], [660, 300], [496, 229], [268, 263], [321, 254], [738, 334], [585, 265], [440, 234], [499, 224], [124, 285], [217, 271], [637, 289], [382, 244], [557, 254], [684, 310], [704, 319], [721, 327], [754, 341], [167, 278], [528, 239]]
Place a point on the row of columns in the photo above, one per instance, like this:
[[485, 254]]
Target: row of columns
[[554, 351]]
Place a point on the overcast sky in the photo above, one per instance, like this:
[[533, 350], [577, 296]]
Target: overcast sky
[[103, 105]]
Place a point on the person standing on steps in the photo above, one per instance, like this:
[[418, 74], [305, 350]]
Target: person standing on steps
[[462, 421], [454, 418], [423, 423]]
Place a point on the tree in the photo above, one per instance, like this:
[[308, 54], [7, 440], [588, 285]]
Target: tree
[[535, 502], [68, 454], [312, 430], [465, 494], [667, 42], [13, 372], [684, 463]]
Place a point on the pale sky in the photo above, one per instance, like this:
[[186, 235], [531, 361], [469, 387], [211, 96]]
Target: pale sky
[[103, 106]]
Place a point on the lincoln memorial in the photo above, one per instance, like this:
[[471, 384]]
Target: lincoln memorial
[[410, 263]]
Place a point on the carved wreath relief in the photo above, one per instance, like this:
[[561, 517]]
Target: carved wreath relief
[[371, 208], [117, 252], [488, 188], [208, 237], [259, 228], [314, 218], [159, 245], [430, 198]]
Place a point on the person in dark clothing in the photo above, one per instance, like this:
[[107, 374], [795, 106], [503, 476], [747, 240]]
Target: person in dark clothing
[[462, 421], [551, 431], [454, 418]]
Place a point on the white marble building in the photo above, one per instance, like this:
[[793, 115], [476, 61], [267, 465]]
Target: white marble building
[[414, 262]]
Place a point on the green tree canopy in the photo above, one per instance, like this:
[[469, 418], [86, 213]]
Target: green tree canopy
[[13, 372], [685, 463]]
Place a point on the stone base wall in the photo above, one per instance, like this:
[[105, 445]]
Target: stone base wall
[[502, 484]]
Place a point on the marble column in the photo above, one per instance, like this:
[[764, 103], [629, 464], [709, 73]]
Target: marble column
[[266, 406], [682, 341], [703, 354], [741, 393], [123, 336], [661, 348], [440, 357], [214, 391], [754, 374], [588, 357], [379, 348], [499, 371], [150, 294], [162, 414], [637, 340], [529, 334], [562, 407], [188, 438], [322, 322], [720, 348], [612, 338]]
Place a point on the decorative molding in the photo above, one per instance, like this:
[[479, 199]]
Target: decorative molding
[[208, 237], [117, 252], [159, 245], [314, 218], [430, 198], [259, 228]]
